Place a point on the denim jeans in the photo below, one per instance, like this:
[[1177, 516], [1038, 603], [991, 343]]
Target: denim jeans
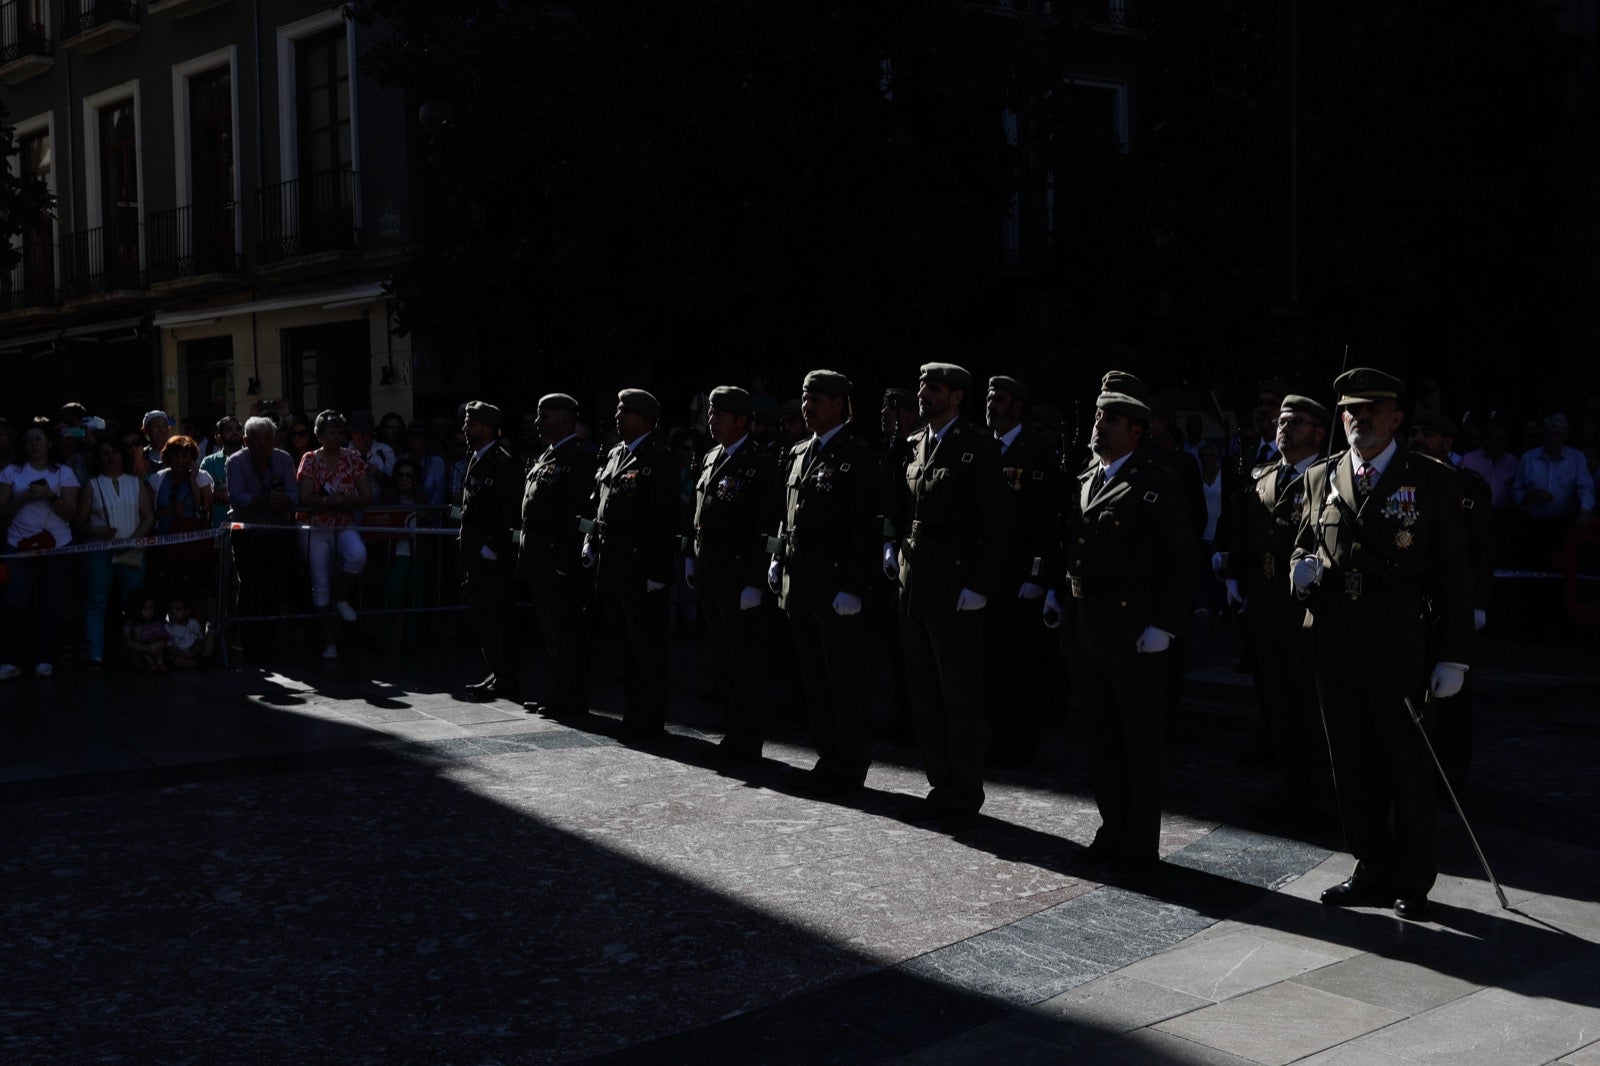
[[99, 575]]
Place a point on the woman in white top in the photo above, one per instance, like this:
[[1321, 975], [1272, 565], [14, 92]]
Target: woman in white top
[[112, 506], [38, 500]]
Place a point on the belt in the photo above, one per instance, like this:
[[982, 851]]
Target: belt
[[1089, 586], [1358, 583]]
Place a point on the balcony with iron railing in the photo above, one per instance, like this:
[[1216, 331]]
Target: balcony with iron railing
[[196, 241], [25, 46], [310, 216], [177, 9], [103, 260], [90, 25], [32, 282]]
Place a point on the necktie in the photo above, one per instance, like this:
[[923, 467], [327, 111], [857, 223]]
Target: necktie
[[1097, 482], [1285, 473], [1366, 477], [811, 456]]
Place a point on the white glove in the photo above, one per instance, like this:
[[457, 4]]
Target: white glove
[[1217, 562], [1153, 640], [891, 562], [775, 576], [1235, 597], [688, 571], [1447, 680], [749, 598], [488, 553], [971, 601], [845, 605], [1052, 610], [1479, 619], [1030, 591], [654, 586], [589, 554], [1307, 572]]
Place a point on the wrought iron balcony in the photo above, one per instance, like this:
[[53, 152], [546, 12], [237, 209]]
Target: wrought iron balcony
[[191, 241], [90, 25], [308, 216], [32, 282], [25, 50], [101, 260]]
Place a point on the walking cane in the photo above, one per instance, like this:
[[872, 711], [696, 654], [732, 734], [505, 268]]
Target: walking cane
[[1417, 720]]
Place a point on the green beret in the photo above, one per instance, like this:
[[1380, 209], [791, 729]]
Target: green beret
[[828, 383], [1045, 415], [1438, 421], [640, 403], [903, 397], [1363, 385], [487, 413], [558, 401], [791, 409], [1120, 381], [732, 399], [1009, 385], [1307, 406], [1120, 403], [946, 374]]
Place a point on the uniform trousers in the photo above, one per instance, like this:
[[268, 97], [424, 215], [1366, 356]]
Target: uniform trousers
[[560, 604], [944, 682], [1379, 763], [491, 594], [1017, 643], [636, 621], [1288, 696], [1122, 697], [830, 652], [740, 645]]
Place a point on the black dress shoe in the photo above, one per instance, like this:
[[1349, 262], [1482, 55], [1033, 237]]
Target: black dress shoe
[[485, 685], [1412, 908], [535, 707], [1353, 893], [1093, 855]]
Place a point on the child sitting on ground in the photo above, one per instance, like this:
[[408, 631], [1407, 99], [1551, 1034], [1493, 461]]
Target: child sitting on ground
[[145, 635], [188, 647]]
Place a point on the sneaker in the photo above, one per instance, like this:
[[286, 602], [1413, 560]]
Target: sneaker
[[331, 651], [43, 670], [7, 672], [347, 612]]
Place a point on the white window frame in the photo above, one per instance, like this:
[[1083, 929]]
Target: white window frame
[[183, 151], [94, 210], [45, 120], [1119, 105], [288, 114]]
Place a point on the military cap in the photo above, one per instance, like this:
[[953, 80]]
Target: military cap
[[1363, 385], [946, 374], [558, 401], [828, 383], [791, 409], [1120, 403], [1438, 421], [901, 396], [640, 403], [1306, 406], [487, 413], [361, 422], [1164, 404], [732, 399], [1120, 381], [1045, 415], [1275, 387], [419, 428], [1010, 385]]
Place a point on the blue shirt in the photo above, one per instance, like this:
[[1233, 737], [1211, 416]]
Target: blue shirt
[[1565, 477]]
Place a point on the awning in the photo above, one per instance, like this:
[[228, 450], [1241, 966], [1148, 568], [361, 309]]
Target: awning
[[329, 299], [58, 334]]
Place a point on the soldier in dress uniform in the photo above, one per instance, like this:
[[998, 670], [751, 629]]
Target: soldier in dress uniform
[[951, 561], [738, 503], [1130, 563], [896, 420], [1015, 639], [555, 498], [633, 546], [1381, 557], [1434, 434], [1266, 522], [491, 495], [825, 563]]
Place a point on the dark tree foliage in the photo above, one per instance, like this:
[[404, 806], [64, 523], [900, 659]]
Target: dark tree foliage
[[24, 203]]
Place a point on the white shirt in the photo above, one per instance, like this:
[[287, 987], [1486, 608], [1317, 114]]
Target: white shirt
[[381, 456], [1379, 462], [36, 516]]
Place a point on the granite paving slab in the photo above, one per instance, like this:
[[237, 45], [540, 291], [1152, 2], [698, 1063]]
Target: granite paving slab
[[1115, 1003], [1486, 1029], [1227, 966], [1280, 1023], [1391, 983], [1584, 1056]]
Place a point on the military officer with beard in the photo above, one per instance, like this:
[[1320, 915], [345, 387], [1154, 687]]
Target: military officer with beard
[[1263, 532], [951, 562], [1381, 559], [555, 498], [738, 501], [633, 545], [825, 563], [1130, 570], [1014, 638]]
